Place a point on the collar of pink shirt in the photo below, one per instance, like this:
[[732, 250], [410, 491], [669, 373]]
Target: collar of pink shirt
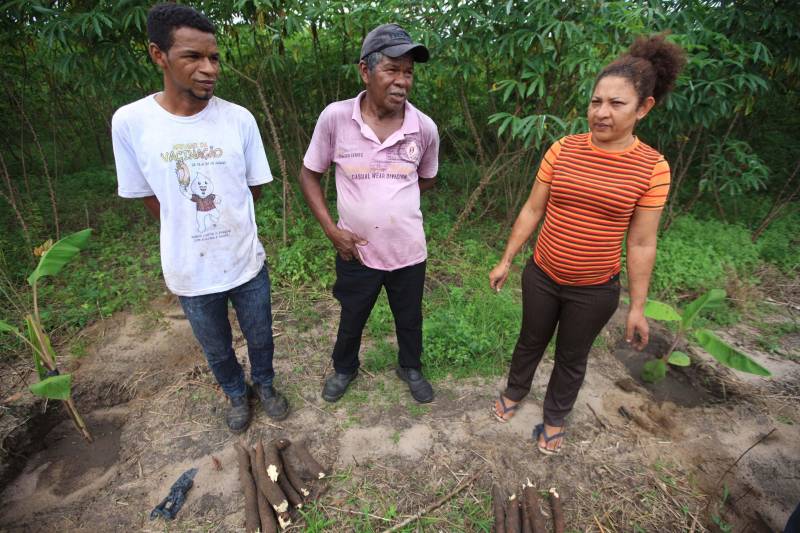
[[410, 123]]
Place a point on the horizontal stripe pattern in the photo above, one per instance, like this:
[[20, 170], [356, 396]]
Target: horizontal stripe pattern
[[593, 195]]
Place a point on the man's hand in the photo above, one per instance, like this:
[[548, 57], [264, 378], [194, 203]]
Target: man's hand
[[346, 243], [637, 332], [498, 276]]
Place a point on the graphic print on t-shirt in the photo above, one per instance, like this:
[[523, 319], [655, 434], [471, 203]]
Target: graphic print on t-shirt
[[396, 162], [199, 190]]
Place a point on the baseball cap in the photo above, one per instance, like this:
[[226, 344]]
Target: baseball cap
[[393, 41]]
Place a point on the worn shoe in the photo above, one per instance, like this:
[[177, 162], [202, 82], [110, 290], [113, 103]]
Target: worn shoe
[[273, 402], [237, 416], [420, 389], [336, 385]]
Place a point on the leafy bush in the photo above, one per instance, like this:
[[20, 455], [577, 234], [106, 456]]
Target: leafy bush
[[780, 243], [471, 330], [694, 255]]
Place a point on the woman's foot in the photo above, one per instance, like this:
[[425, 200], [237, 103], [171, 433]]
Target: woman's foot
[[548, 438], [504, 408]]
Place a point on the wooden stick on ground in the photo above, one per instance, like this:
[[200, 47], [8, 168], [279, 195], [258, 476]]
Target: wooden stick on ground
[[756, 443], [435, 505], [498, 505], [268, 522], [273, 456], [513, 518], [558, 511], [270, 489], [533, 507], [251, 520], [525, 519], [311, 464], [291, 473]]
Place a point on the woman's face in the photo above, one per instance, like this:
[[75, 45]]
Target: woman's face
[[614, 111]]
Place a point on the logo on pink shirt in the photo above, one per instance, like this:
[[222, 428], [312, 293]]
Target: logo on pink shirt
[[410, 151]]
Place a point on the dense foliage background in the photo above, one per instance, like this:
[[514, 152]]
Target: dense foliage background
[[505, 80]]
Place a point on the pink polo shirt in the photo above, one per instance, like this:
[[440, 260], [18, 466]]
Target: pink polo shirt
[[377, 194]]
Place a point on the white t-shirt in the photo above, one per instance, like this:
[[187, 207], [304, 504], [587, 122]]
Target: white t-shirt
[[199, 168]]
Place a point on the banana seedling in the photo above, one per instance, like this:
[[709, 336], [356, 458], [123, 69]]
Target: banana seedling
[[656, 369], [51, 384]]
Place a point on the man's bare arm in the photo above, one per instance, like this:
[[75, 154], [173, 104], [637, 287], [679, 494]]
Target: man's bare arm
[[153, 206], [426, 184], [255, 190], [344, 241]]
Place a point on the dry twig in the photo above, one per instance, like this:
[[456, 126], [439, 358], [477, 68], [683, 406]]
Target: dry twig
[[435, 505]]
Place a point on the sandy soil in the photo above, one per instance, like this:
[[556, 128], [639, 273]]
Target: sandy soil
[[637, 456]]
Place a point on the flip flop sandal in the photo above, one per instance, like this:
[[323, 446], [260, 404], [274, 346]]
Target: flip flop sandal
[[506, 410], [539, 430]]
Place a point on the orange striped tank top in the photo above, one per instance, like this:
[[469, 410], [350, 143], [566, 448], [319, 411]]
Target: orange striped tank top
[[593, 194]]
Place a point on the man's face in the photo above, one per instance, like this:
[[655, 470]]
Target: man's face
[[389, 83], [191, 65]]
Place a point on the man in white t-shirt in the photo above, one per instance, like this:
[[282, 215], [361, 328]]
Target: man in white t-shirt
[[386, 153], [198, 163]]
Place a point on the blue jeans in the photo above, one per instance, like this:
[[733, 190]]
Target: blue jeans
[[208, 315]]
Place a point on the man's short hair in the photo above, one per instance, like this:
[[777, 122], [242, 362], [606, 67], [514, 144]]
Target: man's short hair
[[373, 59], [163, 19]]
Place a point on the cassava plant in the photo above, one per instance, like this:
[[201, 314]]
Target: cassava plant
[[655, 370], [51, 384]]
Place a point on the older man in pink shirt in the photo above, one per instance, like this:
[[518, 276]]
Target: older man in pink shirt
[[385, 152]]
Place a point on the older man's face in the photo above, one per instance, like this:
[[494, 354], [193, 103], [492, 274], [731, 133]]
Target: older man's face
[[389, 83]]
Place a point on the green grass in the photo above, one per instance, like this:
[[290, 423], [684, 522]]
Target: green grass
[[380, 357], [771, 335], [695, 255], [416, 410]]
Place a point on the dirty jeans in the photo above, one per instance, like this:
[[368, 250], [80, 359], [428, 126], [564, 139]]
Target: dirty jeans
[[580, 313], [208, 316]]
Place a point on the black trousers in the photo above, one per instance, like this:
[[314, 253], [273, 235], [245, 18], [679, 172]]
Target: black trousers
[[580, 312], [357, 288]]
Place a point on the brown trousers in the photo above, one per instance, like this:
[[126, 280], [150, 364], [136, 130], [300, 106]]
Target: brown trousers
[[580, 312]]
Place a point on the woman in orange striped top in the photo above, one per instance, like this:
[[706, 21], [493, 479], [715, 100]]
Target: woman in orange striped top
[[590, 190]]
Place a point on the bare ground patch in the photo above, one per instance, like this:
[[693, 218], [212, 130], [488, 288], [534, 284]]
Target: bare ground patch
[[636, 456]]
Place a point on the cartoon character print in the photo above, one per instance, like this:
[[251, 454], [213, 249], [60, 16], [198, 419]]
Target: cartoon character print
[[199, 190]]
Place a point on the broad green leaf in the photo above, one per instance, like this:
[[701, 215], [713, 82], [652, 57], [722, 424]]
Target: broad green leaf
[[661, 311], [654, 370], [679, 358], [54, 387], [5, 327], [711, 297], [54, 259], [727, 354]]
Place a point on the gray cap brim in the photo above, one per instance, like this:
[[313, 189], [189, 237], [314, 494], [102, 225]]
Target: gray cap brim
[[418, 52]]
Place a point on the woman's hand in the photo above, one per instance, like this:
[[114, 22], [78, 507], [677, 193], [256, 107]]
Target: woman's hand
[[498, 276], [637, 332]]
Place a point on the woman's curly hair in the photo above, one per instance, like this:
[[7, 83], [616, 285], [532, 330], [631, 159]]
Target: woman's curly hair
[[651, 64]]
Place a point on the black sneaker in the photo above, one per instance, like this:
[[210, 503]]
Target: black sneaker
[[273, 402], [420, 389], [336, 385], [237, 417]]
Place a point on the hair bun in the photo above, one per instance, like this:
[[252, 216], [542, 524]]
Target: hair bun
[[668, 59]]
